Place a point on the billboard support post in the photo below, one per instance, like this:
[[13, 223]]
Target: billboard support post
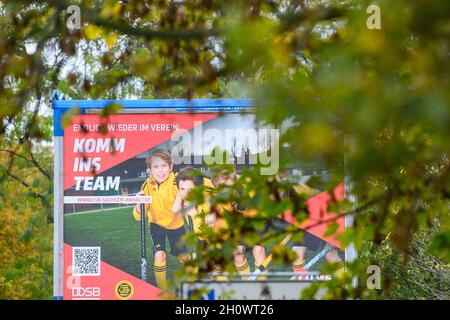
[[58, 208], [143, 244]]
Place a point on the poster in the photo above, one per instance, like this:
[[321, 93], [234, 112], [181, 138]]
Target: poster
[[105, 163]]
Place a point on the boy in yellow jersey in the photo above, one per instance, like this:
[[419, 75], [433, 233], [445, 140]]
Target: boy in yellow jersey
[[163, 222], [186, 181], [227, 178]]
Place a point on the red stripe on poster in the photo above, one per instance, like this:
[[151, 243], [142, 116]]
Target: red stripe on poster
[[89, 139], [319, 218]]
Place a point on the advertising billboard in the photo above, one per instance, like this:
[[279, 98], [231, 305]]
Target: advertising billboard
[[119, 216]]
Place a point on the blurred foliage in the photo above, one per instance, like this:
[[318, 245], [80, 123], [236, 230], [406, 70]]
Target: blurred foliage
[[26, 236], [312, 62], [424, 276]]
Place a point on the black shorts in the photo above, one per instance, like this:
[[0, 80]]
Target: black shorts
[[158, 234], [261, 234], [310, 241]]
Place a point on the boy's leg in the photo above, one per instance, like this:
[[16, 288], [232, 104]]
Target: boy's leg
[[240, 261], [309, 242], [259, 254], [179, 249], [332, 256], [160, 268], [217, 268], [299, 263], [158, 236]]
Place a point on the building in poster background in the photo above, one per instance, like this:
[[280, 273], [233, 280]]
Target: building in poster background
[[101, 165]]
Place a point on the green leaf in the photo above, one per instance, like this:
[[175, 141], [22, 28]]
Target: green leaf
[[440, 246], [67, 117], [332, 228], [92, 32], [111, 108]]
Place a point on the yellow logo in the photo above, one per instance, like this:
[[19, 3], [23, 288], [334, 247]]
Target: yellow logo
[[124, 290]]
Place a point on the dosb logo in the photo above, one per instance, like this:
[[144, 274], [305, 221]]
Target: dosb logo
[[124, 290], [88, 292]]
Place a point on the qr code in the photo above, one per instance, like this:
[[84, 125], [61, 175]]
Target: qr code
[[86, 261]]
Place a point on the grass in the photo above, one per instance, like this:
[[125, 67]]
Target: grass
[[118, 234]]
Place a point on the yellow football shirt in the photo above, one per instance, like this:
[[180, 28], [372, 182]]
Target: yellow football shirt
[[160, 210]]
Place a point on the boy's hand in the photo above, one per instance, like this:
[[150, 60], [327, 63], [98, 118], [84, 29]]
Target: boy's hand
[[138, 205], [183, 193], [177, 205], [210, 219]]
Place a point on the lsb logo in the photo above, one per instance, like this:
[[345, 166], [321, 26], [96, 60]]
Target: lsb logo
[[88, 292], [124, 290]]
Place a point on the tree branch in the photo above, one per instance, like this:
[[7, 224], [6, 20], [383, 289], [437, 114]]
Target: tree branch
[[32, 160], [35, 194], [125, 28], [291, 20]]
